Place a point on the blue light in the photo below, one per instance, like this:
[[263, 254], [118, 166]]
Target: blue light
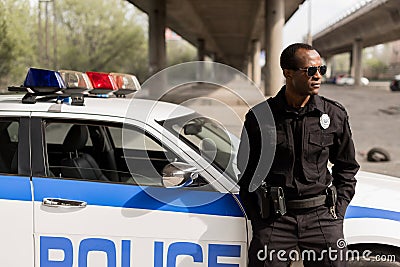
[[39, 78], [102, 95], [66, 100]]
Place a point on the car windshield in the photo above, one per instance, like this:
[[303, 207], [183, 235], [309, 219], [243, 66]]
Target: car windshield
[[209, 139]]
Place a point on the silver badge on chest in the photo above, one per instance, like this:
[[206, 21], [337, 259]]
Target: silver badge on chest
[[324, 120]]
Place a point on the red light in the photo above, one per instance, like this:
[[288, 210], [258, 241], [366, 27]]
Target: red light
[[119, 80], [101, 80], [126, 81]]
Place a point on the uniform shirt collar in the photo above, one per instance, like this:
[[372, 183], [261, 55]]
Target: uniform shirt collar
[[315, 103]]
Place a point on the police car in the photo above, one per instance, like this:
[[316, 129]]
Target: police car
[[115, 181]]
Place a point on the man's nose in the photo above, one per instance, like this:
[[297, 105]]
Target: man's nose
[[317, 75]]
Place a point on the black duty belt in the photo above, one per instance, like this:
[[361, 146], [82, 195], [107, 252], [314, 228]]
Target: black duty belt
[[306, 203], [272, 201]]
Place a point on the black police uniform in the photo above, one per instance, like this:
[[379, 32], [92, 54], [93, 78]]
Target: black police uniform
[[303, 148]]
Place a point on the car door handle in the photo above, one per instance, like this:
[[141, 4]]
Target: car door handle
[[65, 203]]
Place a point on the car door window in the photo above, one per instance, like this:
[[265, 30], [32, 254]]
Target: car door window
[[94, 151], [9, 145]]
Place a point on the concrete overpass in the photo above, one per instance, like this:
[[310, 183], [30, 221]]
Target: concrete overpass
[[372, 22], [231, 32]]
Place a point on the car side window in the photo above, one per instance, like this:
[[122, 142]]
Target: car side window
[[134, 140], [210, 139], [9, 146], [93, 151]]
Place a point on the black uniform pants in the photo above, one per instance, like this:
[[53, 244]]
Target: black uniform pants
[[312, 235]]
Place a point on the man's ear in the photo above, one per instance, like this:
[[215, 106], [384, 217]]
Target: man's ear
[[287, 73]]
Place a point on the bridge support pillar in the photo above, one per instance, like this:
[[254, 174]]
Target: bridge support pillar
[[274, 22], [329, 65], [201, 56], [201, 50], [255, 62], [249, 67], [157, 24], [356, 61]]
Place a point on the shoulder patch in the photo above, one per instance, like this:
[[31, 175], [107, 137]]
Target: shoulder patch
[[334, 102]]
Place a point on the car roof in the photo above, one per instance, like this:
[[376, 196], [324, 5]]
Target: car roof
[[115, 107]]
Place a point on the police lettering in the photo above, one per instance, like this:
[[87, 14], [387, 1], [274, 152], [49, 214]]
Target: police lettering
[[64, 246]]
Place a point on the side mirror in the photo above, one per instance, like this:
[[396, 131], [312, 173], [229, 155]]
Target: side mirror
[[178, 174], [192, 128]]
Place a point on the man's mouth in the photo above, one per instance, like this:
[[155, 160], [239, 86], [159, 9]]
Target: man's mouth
[[315, 85]]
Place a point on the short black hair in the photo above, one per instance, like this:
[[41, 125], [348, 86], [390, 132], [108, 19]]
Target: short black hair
[[288, 59]]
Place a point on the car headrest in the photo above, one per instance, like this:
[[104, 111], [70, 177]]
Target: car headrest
[[76, 138]]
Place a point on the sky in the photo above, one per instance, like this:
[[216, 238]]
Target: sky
[[323, 12]]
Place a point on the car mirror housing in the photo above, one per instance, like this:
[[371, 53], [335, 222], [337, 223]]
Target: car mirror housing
[[178, 174], [192, 129]]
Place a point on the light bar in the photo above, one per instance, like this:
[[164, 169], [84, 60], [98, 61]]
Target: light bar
[[76, 81], [43, 81], [126, 83], [102, 83]]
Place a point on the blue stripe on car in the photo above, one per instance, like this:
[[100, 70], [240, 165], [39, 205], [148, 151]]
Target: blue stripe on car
[[364, 212], [130, 196], [15, 188]]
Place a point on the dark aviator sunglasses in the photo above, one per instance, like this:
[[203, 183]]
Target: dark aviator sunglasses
[[313, 69]]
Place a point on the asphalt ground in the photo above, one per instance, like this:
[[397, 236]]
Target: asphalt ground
[[374, 113]]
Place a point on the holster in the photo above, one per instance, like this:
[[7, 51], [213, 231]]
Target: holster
[[271, 201], [278, 197], [331, 196]]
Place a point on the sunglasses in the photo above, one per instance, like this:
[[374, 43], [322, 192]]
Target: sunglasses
[[313, 69]]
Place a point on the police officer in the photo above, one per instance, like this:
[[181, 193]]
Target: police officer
[[298, 209]]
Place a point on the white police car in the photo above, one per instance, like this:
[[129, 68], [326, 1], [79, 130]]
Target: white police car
[[130, 182]]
